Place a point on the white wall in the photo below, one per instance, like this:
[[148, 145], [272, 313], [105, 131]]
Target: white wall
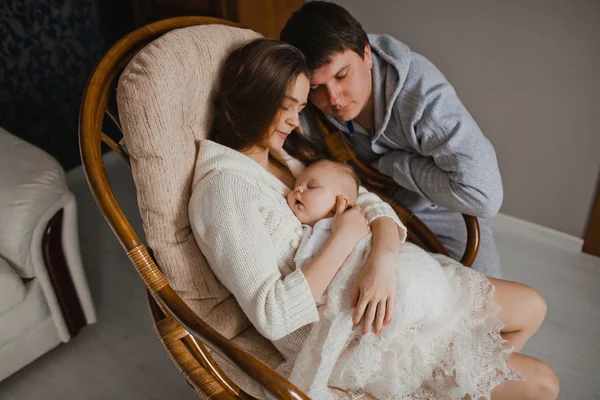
[[529, 72]]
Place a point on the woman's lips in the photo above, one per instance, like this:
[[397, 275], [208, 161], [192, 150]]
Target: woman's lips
[[283, 134]]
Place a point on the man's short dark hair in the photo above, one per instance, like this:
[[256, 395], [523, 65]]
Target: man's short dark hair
[[321, 30]]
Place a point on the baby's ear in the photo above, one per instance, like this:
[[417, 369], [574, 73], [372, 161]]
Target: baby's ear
[[338, 198], [347, 202]]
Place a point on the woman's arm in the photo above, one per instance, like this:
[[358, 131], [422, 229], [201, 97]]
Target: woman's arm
[[375, 208], [374, 291], [386, 236], [227, 224], [348, 227], [319, 271]]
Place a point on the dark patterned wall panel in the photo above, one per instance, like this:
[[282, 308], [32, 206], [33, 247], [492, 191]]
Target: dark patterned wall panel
[[47, 51]]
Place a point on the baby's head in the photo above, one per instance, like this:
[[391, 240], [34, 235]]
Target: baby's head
[[317, 187]]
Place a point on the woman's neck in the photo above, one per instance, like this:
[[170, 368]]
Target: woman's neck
[[271, 165], [260, 155]]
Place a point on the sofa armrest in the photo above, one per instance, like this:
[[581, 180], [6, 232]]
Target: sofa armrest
[[33, 190], [31, 183]]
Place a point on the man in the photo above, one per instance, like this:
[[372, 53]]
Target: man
[[401, 115]]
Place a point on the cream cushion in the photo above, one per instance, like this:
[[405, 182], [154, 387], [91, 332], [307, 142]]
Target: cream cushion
[[165, 99]]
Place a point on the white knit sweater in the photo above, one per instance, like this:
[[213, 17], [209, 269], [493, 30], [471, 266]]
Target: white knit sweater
[[249, 235]]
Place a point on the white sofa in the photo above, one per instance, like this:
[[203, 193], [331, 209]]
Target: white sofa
[[44, 296]]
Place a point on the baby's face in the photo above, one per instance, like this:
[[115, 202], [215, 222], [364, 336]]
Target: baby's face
[[315, 192]]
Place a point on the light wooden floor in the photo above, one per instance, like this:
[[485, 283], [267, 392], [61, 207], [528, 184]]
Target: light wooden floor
[[121, 358]]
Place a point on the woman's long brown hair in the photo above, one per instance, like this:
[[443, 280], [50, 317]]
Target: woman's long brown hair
[[253, 84]]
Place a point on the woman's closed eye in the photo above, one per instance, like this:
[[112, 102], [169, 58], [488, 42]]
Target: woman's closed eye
[[287, 108]]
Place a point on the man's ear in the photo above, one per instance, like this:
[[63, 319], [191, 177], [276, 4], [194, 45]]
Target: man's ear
[[367, 56]]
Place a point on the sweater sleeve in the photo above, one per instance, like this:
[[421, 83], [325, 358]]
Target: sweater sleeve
[[454, 165], [226, 221], [375, 208]]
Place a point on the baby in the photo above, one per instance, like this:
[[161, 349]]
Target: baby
[[317, 187], [437, 311], [314, 200]]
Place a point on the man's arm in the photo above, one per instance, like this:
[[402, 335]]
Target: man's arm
[[454, 165]]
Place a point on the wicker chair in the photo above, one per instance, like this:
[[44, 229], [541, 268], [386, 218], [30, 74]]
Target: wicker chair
[[190, 341]]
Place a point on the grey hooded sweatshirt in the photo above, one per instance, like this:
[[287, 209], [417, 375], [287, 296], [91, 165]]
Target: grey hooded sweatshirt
[[424, 137]]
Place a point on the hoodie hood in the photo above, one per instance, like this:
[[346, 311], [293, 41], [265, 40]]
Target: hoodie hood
[[391, 63]]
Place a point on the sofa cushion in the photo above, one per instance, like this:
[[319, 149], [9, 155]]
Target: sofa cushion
[[12, 289], [31, 182], [21, 318]]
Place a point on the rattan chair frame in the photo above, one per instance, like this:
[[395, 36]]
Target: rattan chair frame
[[185, 336]]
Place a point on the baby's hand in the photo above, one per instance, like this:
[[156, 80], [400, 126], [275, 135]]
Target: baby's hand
[[352, 223]]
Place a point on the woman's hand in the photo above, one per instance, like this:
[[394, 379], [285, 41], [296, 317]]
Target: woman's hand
[[351, 224], [374, 292]]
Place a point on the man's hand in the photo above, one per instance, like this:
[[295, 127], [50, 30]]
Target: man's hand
[[374, 292]]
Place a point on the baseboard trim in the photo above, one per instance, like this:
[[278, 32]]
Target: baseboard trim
[[520, 227]]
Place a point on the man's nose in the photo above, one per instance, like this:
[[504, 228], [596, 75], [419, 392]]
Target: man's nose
[[333, 93]]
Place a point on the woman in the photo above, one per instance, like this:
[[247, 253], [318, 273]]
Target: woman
[[240, 218]]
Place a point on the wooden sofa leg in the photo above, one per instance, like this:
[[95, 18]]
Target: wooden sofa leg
[[58, 271]]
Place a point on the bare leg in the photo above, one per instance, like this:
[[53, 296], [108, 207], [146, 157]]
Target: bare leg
[[523, 310], [539, 381]]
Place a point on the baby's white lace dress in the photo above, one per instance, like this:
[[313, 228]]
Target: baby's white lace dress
[[443, 342]]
